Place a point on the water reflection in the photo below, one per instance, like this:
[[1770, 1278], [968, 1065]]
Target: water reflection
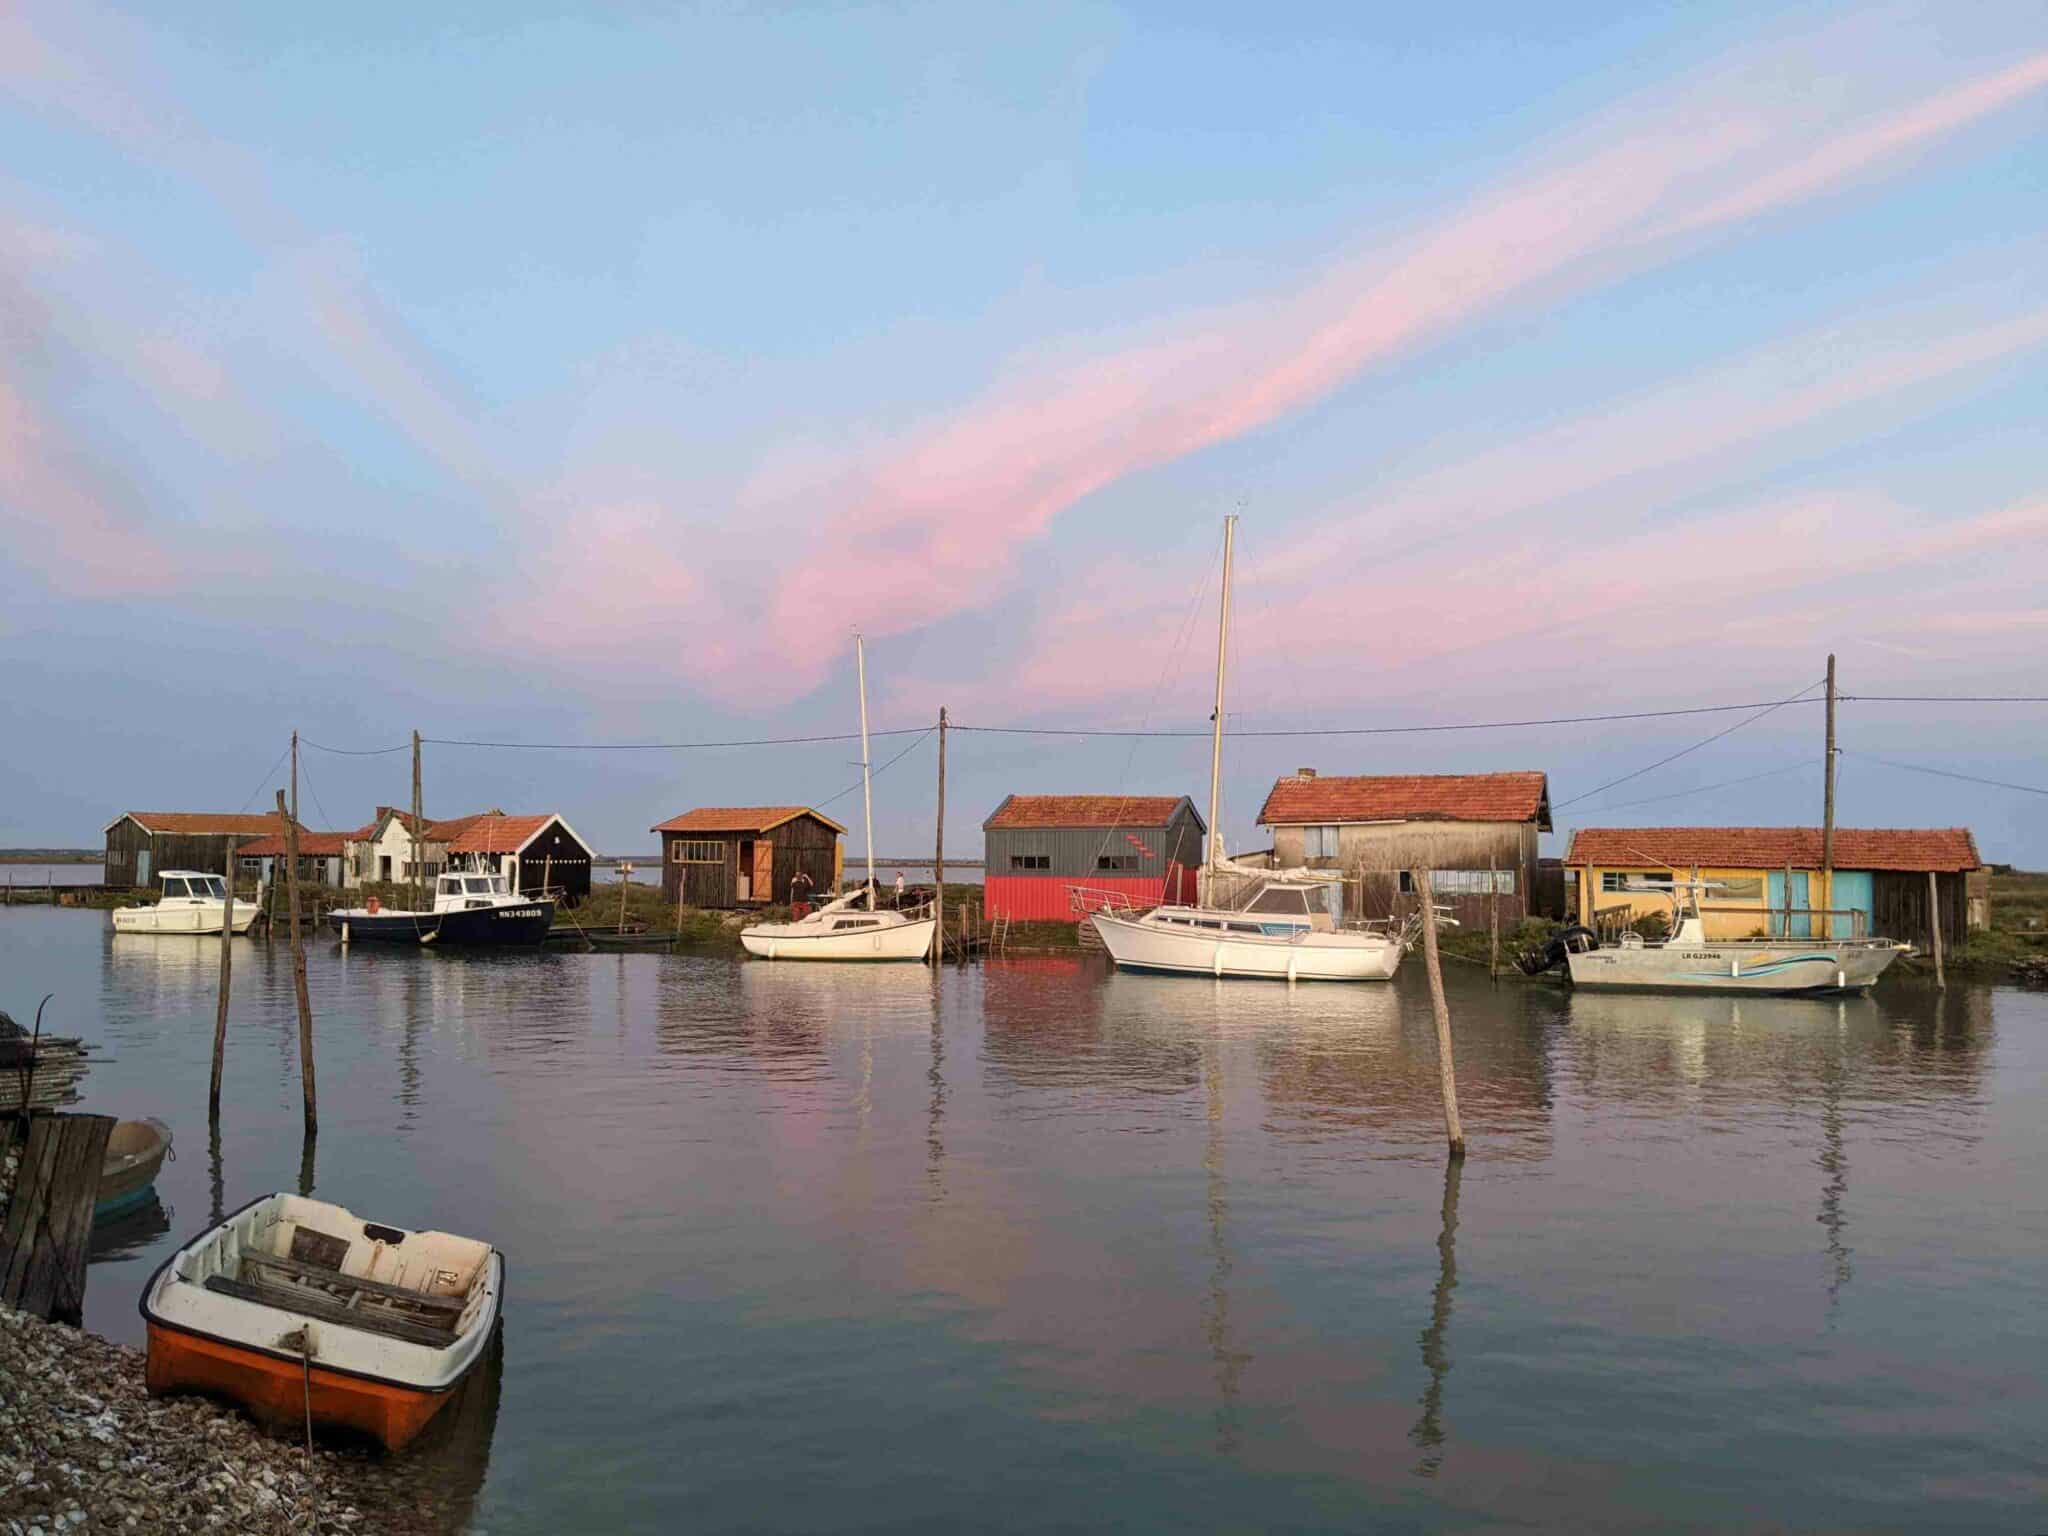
[[1428, 1434], [128, 1232], [1228, 1359]]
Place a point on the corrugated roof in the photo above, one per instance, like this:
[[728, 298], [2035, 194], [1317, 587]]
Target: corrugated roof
[[1301, 799], [207, 823], [1048, 811], [312, 845], [491, 834], [740, 818], [1941, 849]]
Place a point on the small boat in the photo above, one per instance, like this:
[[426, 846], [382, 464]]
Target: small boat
[[629, 938], [135, 1152], [1688, 961], [190, 901], [468, 910], [295, 1308], [1285, 932], [839, 930]]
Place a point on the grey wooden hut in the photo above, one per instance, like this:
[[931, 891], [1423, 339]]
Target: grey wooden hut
[[142, 844], [1146, 849]]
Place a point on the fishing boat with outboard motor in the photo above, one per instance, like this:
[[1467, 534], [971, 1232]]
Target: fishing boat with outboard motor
[[468, 910], [1688, 961]]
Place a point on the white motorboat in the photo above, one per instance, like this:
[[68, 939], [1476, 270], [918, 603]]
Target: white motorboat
[[841, 929], [300, 1310], [1284, 932], [1688, 961], [191, 902]]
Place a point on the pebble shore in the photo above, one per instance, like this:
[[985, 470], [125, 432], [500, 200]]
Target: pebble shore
[[83, 1447]]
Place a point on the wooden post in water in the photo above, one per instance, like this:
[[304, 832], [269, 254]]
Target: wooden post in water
[[1492, 919], [1788, 903], [1446, 1068], [291, 876], [1934, 928], [220, 1011], [939, 856]]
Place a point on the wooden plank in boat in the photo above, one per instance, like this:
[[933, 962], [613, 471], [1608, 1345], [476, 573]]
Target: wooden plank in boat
[[326, 1275], [324, 1308]]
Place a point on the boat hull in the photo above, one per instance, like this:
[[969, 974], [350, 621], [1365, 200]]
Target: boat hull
[[524, 924], [898, 941], [128, 1175], [383, 927], [1139, 946], [181, 917], [275, 1390], [1765, 970]]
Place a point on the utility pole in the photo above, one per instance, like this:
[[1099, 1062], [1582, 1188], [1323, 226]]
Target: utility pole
[[939, 856], [415, 821], [295, 775], [1827, 825]]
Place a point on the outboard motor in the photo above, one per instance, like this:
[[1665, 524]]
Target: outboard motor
[[1538, 958]]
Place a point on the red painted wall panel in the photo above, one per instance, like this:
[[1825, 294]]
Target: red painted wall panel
[[1045, 899]]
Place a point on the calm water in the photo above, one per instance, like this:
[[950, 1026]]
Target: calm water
[[1039, 1246]]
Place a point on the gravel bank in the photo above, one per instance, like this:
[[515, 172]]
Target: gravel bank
[[84, 1448]]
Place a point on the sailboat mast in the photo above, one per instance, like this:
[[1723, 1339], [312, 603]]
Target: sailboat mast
[[867, 799], [1216, 738]]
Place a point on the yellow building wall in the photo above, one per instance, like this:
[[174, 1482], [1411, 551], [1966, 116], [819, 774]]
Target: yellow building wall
[[1750, 919]]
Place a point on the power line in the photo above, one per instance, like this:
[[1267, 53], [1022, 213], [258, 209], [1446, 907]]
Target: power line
[[1944, 773], [1769, 773], [666, 746], [884, 768], [1941, 698], [266, 779], [1687, 751], [1405, 730], [403, 746]]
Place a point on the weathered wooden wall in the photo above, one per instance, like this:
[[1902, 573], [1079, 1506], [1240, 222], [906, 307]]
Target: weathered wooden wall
[[559, 858], [803, 844], [167, 850], [44, 1238], [1375, 857], [1899, 908], [1075, 853]]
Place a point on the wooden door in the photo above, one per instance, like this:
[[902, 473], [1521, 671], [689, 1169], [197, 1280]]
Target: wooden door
[[764, 869]]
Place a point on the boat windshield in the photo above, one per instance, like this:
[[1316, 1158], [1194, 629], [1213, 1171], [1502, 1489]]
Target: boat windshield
[[449, 885], [483, 885], [175, 888], [210, 885]]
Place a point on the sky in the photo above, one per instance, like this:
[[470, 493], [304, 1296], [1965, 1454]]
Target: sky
[[539, 375]]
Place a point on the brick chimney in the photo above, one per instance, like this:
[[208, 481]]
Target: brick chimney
[[1304, 773]]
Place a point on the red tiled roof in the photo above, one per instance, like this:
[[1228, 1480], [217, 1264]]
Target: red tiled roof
[[1084, 811], [1941, 849], [1312, 798], [491, 833], [206, 823], [739, 818], [312, 845]]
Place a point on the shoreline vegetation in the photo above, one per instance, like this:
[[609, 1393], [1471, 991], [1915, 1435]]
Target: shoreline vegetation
[[2015, 945]]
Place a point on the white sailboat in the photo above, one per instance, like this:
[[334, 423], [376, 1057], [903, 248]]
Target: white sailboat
[[1284, 932], [843, 929]]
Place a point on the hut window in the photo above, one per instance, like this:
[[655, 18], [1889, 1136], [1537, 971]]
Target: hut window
[[1116, 863], [699, 853], [1613, 881], [1319, 842], [1031, 861], [1472, 882]]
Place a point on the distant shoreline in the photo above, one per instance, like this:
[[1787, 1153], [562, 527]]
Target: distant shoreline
[[51, 856]]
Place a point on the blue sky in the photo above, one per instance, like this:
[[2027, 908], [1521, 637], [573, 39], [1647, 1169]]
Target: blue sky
[[519, 374]]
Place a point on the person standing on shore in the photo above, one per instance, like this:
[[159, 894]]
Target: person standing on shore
[[899, 887]]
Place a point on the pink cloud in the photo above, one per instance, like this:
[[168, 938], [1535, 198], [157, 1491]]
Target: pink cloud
[[933, 526]]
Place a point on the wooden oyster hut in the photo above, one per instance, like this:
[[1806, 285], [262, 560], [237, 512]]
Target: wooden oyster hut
[[747, 856], [1147, 848]]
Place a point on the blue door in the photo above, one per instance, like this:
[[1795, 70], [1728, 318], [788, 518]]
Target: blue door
[[1853, 893], [1802, 920]]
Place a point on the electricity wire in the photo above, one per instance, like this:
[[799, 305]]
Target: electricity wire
[[1687, 751], [1945, 773]]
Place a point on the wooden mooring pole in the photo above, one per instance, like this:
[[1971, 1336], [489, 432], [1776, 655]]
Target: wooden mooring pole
[[1934, 928], [220, 1010], [1492, 919], [291, 875], [1446, 1069], [939, 855]]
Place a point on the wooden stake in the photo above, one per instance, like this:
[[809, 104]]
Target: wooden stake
[[1934, 928], [1446, 1068], [939, 855], [220, 1012], [1788, 903], [1492, 919], [291, 877]]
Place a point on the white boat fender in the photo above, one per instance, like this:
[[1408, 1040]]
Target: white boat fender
[[1219, 957], [1292, 956], [1735, 966], [1841, 978]]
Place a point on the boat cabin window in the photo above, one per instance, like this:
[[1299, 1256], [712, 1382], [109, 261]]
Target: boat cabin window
[[210, 885], [175, 887], [478, 885], [1283, 900], [857, 922], [449, 885]]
